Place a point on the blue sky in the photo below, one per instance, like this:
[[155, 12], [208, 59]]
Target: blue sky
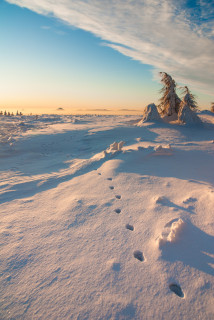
[[89, 55]]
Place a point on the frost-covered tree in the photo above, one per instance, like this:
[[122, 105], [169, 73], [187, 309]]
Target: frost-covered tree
[[188, 116], [169, 102], [189, 99], [188, 107]]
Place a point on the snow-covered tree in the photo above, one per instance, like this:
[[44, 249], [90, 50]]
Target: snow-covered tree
[[189, 98], [169, 102], [188, 107], [188, 116]]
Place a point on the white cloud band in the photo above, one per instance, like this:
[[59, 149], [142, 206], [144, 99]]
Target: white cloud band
[[154, 32]]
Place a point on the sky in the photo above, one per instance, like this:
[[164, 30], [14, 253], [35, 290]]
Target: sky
[[92, 56]]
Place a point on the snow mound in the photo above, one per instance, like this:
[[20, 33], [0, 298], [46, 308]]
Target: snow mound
[[163, 150], [150, 113], [188, 116], [173, 235], [116, 146]]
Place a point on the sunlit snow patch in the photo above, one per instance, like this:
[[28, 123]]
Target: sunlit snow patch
[[173, 235]]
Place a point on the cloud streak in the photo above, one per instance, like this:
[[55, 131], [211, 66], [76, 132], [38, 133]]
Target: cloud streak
[[154, 32]]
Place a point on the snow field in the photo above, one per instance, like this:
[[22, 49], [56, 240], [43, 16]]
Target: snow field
[[79, 233]]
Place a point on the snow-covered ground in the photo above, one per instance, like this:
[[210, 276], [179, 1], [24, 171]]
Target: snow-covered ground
[[92, 229]]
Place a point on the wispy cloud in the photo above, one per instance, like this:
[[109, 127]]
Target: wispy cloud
[[155, 32]]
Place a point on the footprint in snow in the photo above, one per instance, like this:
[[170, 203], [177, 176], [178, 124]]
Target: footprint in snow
[[111, 187], [99, 173], [110, 179], [118, 196], [117, 210], [129, 227], [176, 289], [139, 255]]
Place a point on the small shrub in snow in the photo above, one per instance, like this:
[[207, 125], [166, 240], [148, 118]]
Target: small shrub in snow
[[150, 113], [212, 107]]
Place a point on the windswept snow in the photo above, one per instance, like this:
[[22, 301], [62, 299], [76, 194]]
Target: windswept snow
[[103, 219]]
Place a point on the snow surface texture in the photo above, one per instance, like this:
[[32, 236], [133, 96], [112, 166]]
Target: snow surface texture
[[150, 113], [90, 231], [188, 116]]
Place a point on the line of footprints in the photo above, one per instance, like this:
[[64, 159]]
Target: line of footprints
[[174, 287]]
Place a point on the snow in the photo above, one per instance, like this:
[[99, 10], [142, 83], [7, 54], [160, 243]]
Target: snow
[[173, 234], [103, 219], [150, 113], [188, 116], [116, 146]]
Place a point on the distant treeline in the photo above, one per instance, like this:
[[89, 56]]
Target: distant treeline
[[8, 113]]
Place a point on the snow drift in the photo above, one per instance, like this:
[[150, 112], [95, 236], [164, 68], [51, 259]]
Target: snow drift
[[79, 219]]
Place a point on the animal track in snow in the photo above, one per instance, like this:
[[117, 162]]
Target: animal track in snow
[[139, 255], [176, 289], [99, 173], [117, 210], [129, 227], [118, 196], [111, 187], [109, 179]]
